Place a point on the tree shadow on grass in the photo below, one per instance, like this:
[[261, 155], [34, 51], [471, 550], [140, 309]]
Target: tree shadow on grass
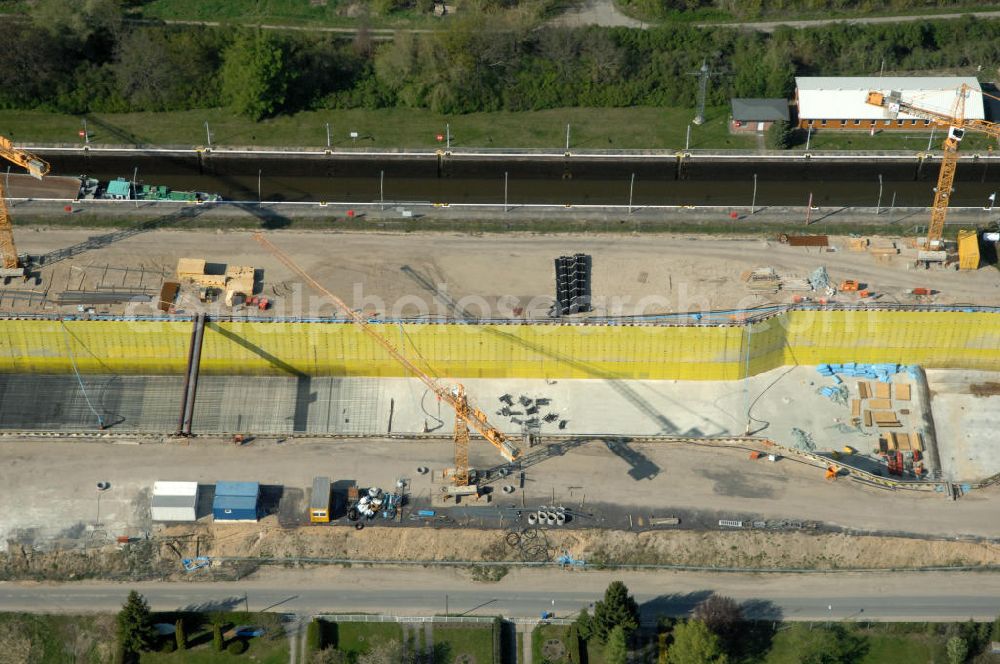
[[675, 605], [441, 653], [761, 620]]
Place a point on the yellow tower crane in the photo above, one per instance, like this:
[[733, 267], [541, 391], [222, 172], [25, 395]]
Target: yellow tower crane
[[957, 124], [37, 167], [466, 415]]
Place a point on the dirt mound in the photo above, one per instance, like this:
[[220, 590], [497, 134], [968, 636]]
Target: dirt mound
[[720, 549], [248, 544]]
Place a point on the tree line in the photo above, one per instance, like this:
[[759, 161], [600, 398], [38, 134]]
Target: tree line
[[716, 632], [484, 61], [662, 10]]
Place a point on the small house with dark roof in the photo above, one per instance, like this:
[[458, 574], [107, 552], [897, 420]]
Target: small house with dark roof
[[753, 115]]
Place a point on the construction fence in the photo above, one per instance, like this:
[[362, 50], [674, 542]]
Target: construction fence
[[714, 351]]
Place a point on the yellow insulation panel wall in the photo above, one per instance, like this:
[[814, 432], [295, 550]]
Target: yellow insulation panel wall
[[931, 339], [52, 346], [539, 351], [957, 340]]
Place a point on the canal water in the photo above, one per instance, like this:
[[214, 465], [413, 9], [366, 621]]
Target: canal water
[[556, 180]]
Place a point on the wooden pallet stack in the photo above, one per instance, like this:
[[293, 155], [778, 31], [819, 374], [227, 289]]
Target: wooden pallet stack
[[893, 441], [879, 410], [879, 405]]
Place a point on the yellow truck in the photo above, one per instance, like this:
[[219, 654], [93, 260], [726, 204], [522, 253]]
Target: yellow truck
[[319, 502]]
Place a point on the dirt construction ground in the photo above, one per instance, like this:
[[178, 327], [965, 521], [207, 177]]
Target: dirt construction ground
[[53, 486], [503, 276], [690, 479]]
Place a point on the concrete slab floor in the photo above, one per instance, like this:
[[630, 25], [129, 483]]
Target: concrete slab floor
[[966, 408], [777, 401]]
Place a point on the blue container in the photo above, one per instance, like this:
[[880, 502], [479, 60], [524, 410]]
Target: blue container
[[236, 501]]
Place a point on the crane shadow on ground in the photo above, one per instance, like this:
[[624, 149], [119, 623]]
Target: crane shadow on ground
[[122, 135], [101, 241], [269, 219], [640, 466], [304, 394], [225, 604], [665, 425]]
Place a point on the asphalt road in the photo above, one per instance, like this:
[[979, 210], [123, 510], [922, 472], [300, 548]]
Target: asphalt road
[[771, 26], [834, 596]]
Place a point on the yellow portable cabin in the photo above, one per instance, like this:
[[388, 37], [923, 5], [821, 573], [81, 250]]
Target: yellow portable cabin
[[968, 250], [319, 503]]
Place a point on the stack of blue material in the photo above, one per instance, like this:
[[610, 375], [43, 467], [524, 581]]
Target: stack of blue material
[[882, 371]]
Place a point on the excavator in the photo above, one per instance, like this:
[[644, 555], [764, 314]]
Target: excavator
[[466, 415], [956, 124], [37, 167]]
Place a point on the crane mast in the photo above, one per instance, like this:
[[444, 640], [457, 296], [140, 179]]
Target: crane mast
[[466, 415], [957, 125], [38, 168]]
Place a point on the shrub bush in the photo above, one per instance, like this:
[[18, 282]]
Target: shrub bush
[[314, 636], [237, 647], [218, 642]]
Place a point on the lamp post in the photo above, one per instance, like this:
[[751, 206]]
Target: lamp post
[[505, 191], [101, 488], [631, 189], [753, 203], [878, 204]]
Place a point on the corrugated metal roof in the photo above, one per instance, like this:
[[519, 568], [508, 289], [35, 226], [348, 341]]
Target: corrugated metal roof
[[843, 97], [240, 503], [175, 501], [175, 488], [760, 110], [237, 489]]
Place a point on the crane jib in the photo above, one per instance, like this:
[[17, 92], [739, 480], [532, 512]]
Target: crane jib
[[454, 396]]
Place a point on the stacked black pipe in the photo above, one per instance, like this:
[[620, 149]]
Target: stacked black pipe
[[572, 284]]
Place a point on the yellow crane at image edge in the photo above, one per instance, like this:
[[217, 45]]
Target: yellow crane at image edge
[[956, 124], [38, 168]]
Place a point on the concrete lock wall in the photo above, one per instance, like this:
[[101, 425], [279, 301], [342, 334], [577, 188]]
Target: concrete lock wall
[[931, 339]]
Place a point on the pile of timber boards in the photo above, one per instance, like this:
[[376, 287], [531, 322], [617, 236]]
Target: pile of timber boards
[[874, 404]]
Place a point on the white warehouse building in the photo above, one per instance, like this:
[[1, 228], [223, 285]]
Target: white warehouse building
[[839, 102]]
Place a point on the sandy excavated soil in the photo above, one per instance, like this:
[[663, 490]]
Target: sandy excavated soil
[[720, 549], [160, 558], [406, 275]]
